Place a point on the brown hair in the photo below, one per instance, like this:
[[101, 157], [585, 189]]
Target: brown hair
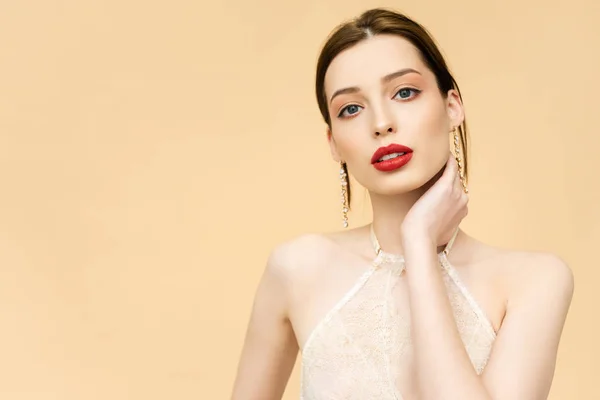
[[379, 21]]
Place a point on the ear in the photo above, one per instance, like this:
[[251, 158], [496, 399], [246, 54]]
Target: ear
[[454, 107], [332, 146]]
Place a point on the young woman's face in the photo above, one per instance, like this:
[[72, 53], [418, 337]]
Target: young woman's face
[[379, 93]]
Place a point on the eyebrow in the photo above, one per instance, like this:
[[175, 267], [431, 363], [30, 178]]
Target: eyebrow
[[385, 79]]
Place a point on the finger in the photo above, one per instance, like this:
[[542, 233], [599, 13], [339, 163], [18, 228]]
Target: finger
[[464, 211], [457, 178], [451, 169], [456, 181], [464, 197], [458, 185]]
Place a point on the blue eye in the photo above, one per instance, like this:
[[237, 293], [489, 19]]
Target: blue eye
[[405, 93], [349, 110]]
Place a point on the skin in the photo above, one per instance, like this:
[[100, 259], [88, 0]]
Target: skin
[[415, 210]]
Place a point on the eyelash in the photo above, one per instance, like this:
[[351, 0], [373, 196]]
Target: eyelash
[[415, 91]]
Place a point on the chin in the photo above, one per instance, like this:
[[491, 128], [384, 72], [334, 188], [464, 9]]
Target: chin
[[398, 184]]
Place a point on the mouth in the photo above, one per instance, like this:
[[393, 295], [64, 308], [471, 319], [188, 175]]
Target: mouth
[[391, 158], [389, 153]]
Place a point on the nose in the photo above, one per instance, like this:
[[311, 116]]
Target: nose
[[384, 129], [384, 123]]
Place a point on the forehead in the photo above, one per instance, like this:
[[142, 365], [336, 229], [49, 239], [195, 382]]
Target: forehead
[[371, 59]]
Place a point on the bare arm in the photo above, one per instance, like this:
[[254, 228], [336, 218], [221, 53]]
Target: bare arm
[[443, 367], [522, 363], [270, 347], [523, 359]]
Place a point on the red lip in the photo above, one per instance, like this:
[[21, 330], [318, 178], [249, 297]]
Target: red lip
[[392, 148], [394, 163]]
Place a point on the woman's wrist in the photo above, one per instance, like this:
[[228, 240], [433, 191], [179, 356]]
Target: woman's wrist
[[417, 239]]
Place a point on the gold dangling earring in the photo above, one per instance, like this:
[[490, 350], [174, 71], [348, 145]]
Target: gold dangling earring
[[459, 161], [344, 196]]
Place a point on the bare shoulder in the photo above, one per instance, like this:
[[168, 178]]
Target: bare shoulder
[[541, 272], [528, 272], [300, 255], [304, 258]]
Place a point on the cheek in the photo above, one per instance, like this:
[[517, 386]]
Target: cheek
[[433, 118], [350, 138], [432, 135], [430, 129]]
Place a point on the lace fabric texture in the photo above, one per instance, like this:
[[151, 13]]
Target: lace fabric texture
[[362, 349]]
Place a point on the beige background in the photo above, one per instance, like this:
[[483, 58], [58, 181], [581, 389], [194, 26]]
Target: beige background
[[152, 153]]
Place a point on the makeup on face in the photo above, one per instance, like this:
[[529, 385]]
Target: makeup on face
[[404, 80], [391, 157]]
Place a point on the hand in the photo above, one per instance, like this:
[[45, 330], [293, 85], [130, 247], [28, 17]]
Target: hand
[[437, 213]]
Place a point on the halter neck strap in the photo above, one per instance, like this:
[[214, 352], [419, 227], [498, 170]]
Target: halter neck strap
[[378, 250]]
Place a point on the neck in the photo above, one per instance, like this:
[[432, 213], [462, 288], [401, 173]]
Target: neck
[[389, 212]]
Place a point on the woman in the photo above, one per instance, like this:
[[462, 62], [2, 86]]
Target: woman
[[409, 306]]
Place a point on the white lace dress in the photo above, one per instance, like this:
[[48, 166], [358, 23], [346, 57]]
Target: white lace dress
[[362, 348]]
